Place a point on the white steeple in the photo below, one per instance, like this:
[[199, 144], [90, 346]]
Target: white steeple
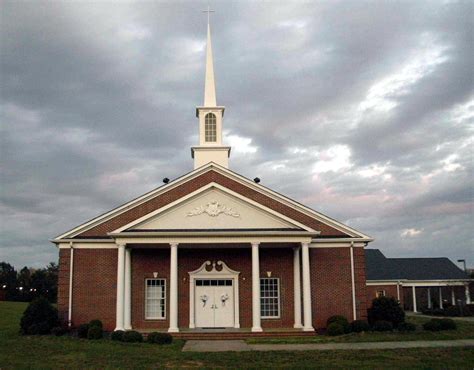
[[210, 85], [210, 148]]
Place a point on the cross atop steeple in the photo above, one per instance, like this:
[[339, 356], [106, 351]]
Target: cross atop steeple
[[208, 11]]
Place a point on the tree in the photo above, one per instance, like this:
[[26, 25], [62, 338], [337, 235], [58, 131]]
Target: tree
[[8, 280]]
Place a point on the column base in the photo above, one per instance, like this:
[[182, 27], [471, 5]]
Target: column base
[[257, 330], [128, 328], [308, 329], [173, 330], [298, 326], [119, 328]]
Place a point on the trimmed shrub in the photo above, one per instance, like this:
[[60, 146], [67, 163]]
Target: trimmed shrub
[[82, 330], [132, 336], [39, 318], [405, 327], [94, 332], [334, 329], [432, 325], [448, 324], [341, 320], [382, 325], [97, 323], [358, 326], [58, 331], [386, 309], [117, 335], [159, 338]]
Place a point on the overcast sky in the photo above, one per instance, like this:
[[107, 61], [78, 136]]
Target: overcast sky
[[363, 111]]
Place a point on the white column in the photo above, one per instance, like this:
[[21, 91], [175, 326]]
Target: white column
[[71, 274], [440, 298], [256, 324], [429, 297], [413, 289], [453, 297], [354, 308], [308, 320], [297, 287], [128, 290], [120, 287], [173, 288], [468, 294]]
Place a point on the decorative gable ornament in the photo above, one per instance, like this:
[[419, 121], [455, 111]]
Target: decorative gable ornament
[[213, 209]]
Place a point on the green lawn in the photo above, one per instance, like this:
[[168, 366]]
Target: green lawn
[[465, 331], [17, 352]]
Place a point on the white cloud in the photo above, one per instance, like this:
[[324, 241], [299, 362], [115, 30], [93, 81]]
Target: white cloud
[[335, 158], [240, 144], [410, 233]]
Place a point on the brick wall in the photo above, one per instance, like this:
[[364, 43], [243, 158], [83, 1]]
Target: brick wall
[[390, 291], [95, 273], [331, 281]]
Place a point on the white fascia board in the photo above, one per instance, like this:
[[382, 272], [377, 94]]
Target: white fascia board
[[226, 172], [204, 189], [419, 283], [340, 244], [300, 207], [131, 204]]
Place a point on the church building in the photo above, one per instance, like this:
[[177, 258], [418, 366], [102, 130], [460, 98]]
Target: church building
[[212, 249]]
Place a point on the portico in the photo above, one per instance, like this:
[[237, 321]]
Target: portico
[[220, 272]]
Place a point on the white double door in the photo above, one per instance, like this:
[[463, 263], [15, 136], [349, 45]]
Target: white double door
[[214, 303]]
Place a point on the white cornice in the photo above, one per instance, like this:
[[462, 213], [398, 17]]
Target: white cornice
[[225, 172]]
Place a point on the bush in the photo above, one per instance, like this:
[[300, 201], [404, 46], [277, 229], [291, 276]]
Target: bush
[[117, 335], [382, 325], [132, 336], [39, 318], [159, 338], [405, 327], [432, 325], [341, 320], [334, 329], [82, 330], [97, 323], [358, 326], [448, 324], [58, 331], [386, 309], [94, 332]]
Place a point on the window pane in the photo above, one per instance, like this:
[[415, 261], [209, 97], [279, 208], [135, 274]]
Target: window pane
[[270, 297], [155, 295]]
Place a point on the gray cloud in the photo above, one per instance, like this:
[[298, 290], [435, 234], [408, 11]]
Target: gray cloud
[[361, 110]]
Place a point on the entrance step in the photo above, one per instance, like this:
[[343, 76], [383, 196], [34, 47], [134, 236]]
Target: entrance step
[[237, 334]]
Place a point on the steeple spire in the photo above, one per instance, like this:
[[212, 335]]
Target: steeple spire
[[209, 86]]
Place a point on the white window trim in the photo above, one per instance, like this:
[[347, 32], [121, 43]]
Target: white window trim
[[384, 293], [146, 299], [278, 296]]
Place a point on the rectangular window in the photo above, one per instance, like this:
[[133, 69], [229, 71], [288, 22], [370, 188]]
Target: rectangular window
[[155, 299], [380, 293], [269, 298]]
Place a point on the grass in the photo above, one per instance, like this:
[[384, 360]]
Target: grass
[[47, 352], [465, 331]]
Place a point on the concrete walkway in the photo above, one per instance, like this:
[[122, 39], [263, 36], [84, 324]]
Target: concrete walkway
[[463, 318], [240, 345]]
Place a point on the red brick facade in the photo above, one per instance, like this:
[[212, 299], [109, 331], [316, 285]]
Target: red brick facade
[[195, 184], [95, 273]]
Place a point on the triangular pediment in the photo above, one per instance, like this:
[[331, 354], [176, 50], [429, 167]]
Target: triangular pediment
[[213, 208]]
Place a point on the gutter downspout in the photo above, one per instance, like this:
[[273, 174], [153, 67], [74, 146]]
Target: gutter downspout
[[354, 310], [71, 268]]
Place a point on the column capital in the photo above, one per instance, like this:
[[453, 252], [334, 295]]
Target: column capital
[[304, 244], [174, 245], [255, 244], [121, 244]]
